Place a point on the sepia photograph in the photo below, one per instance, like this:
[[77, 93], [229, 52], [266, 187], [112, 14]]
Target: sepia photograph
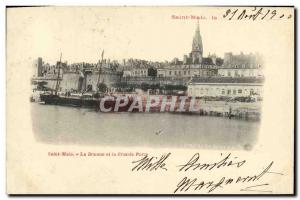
[[199, 99], [163, 91]]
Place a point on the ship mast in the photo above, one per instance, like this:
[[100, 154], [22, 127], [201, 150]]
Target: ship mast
[[100, 70], [58, 74]]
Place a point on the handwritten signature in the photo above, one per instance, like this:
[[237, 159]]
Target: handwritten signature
[[151, 163], [186, 184], [193, 163]]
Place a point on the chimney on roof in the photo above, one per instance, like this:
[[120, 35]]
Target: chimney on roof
[[175, 60], [185, 59], [214, 58]]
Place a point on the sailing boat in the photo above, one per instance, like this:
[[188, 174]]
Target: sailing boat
[[56, 99], [53, 98], [82, 99], [75, 100]]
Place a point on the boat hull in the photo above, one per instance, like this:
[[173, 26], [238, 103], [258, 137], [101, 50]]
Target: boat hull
[[109, 104], [68, 101]]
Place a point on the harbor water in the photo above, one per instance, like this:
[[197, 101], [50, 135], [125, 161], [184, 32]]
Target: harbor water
[[80, 126]]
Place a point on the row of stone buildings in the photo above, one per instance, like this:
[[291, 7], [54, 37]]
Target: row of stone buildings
[[195, 65], [77, 76], [233, 75]]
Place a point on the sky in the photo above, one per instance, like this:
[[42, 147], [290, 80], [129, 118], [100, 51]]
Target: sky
[[81, 33]]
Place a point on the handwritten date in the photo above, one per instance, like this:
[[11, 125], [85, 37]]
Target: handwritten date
[[255, 14]]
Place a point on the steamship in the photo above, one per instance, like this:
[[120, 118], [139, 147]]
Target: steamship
[[76, 100], [91, 100], [84, 99]]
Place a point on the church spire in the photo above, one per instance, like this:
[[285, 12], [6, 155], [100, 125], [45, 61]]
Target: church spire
[[197, 48], [197, 41], [198, 28]]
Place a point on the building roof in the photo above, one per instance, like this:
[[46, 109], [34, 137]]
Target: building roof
[[219, 61], [205, 61], [241, 67]]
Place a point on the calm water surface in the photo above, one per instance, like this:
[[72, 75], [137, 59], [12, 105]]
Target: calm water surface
[[67, 125]]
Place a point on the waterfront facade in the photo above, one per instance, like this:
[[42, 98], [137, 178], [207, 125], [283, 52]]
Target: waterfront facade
[[179, 69], [80, 77], [139, 68], [240, 72], [226, 87], [135, 72], [241, 65]]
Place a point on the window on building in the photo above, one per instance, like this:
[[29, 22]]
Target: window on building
[[179, 73], [170, 72], [223, 91], [184, 72], [175, 72], [229, 73], [234, 92], [236, 74], [240, 91], [228, 91]]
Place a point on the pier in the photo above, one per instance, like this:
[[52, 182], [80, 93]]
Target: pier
[[230, 110]]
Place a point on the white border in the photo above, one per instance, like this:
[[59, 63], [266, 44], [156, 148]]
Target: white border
[[5, 3]]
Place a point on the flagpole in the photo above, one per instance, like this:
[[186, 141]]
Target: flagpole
[[100, 70], [58, 74]]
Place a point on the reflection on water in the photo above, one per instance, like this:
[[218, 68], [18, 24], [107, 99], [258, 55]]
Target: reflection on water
[[66, 125]]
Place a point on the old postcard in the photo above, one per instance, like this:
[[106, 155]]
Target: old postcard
[[150, 100]]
